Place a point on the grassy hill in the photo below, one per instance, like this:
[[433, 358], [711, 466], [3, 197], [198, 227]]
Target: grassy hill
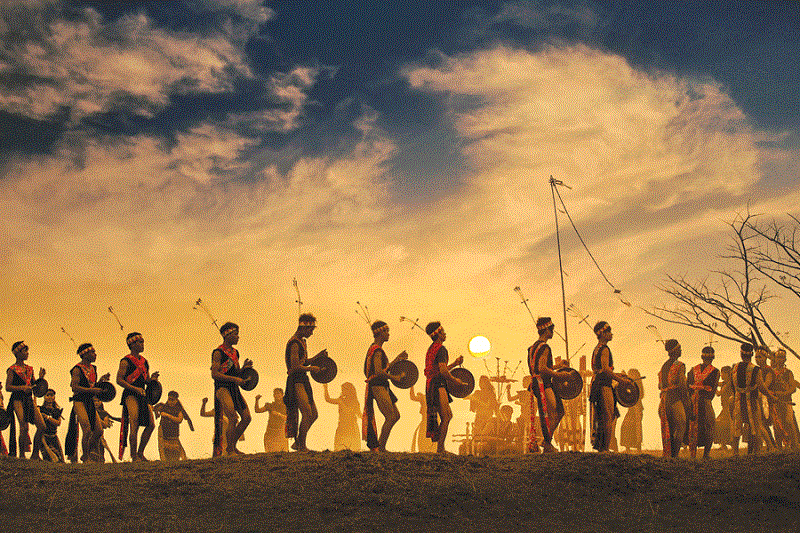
[[346, 491]]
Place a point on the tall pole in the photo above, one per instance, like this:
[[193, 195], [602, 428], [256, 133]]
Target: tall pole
[[553, 184]]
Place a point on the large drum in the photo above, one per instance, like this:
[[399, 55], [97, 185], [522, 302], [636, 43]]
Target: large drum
[[153, 391], [109, 391], [409, 371], [250, 377], [627, 393], [327, 368], [568, 384], [466, 376]]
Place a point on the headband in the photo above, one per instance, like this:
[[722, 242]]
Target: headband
[[19, 348], [88, 348], [380, 329], [604, 328], [308, 323], [544, 326], [135, 338], [228, 330], [436, 332]]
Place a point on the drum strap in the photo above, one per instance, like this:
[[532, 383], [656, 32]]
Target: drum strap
[[140, 365], [90, 372], [231, 361], [24, 371]]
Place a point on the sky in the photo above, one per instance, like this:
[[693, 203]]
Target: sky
[[154, 153]]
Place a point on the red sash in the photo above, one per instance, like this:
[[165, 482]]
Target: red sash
[[232, 361], [140, 363], [90, 373], [431, 369], [24, 371]]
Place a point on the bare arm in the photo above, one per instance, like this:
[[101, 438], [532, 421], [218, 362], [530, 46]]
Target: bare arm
[[258, 409]]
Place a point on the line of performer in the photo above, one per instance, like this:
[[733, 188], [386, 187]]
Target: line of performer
[[756, 401]]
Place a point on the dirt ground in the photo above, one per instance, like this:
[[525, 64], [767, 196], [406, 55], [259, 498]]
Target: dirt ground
[[355, 492]]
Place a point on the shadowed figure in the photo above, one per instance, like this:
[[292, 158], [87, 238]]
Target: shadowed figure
[[133, 376], [722, 425], [787, 435], [631, 428], [702, 381], [673, 406], [748, 386], [275, 434], [20, 383], [347, 435]]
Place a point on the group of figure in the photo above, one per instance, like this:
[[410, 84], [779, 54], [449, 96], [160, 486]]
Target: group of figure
[[755, 398], [88, 416]]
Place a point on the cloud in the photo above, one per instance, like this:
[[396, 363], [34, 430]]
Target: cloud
[[93, 67]]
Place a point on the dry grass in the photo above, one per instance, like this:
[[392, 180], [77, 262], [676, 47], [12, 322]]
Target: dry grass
[[347, 491]]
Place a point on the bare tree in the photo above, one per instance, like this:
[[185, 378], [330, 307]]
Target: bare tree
[[734, 306]]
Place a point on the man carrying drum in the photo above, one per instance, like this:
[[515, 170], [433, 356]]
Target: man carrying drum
[[299, 395], [540, 364], [133, 376], [20, 383], [228, 399], [376, 370], [602, 397], [437, 396], [84, 388], [673, 406]]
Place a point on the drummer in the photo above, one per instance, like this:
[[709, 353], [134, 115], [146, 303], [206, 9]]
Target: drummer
[[540, 363], [84, 388], [602, 397], [376, 370], [20, 383], [439, 378], [299, 395], [133, 376], [228, 399]]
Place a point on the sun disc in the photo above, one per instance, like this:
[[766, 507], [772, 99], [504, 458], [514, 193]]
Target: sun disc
[[479, 346]]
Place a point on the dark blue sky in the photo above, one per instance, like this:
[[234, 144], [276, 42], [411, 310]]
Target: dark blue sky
[[751, 48]]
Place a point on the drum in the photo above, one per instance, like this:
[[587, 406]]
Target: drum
[[569, 383], [109, 391], [40, 387], [627, 393], [5, 419], [250, 377], [410, 371], [152, 391], [466, 376], [327, 369]]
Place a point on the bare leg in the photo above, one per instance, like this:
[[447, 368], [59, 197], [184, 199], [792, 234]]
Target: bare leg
[[610, 419], [90, 437], [148, 431], [446, 415], [226, 403], [309, 414], [390, 413], [244, 420], [133, 426]]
